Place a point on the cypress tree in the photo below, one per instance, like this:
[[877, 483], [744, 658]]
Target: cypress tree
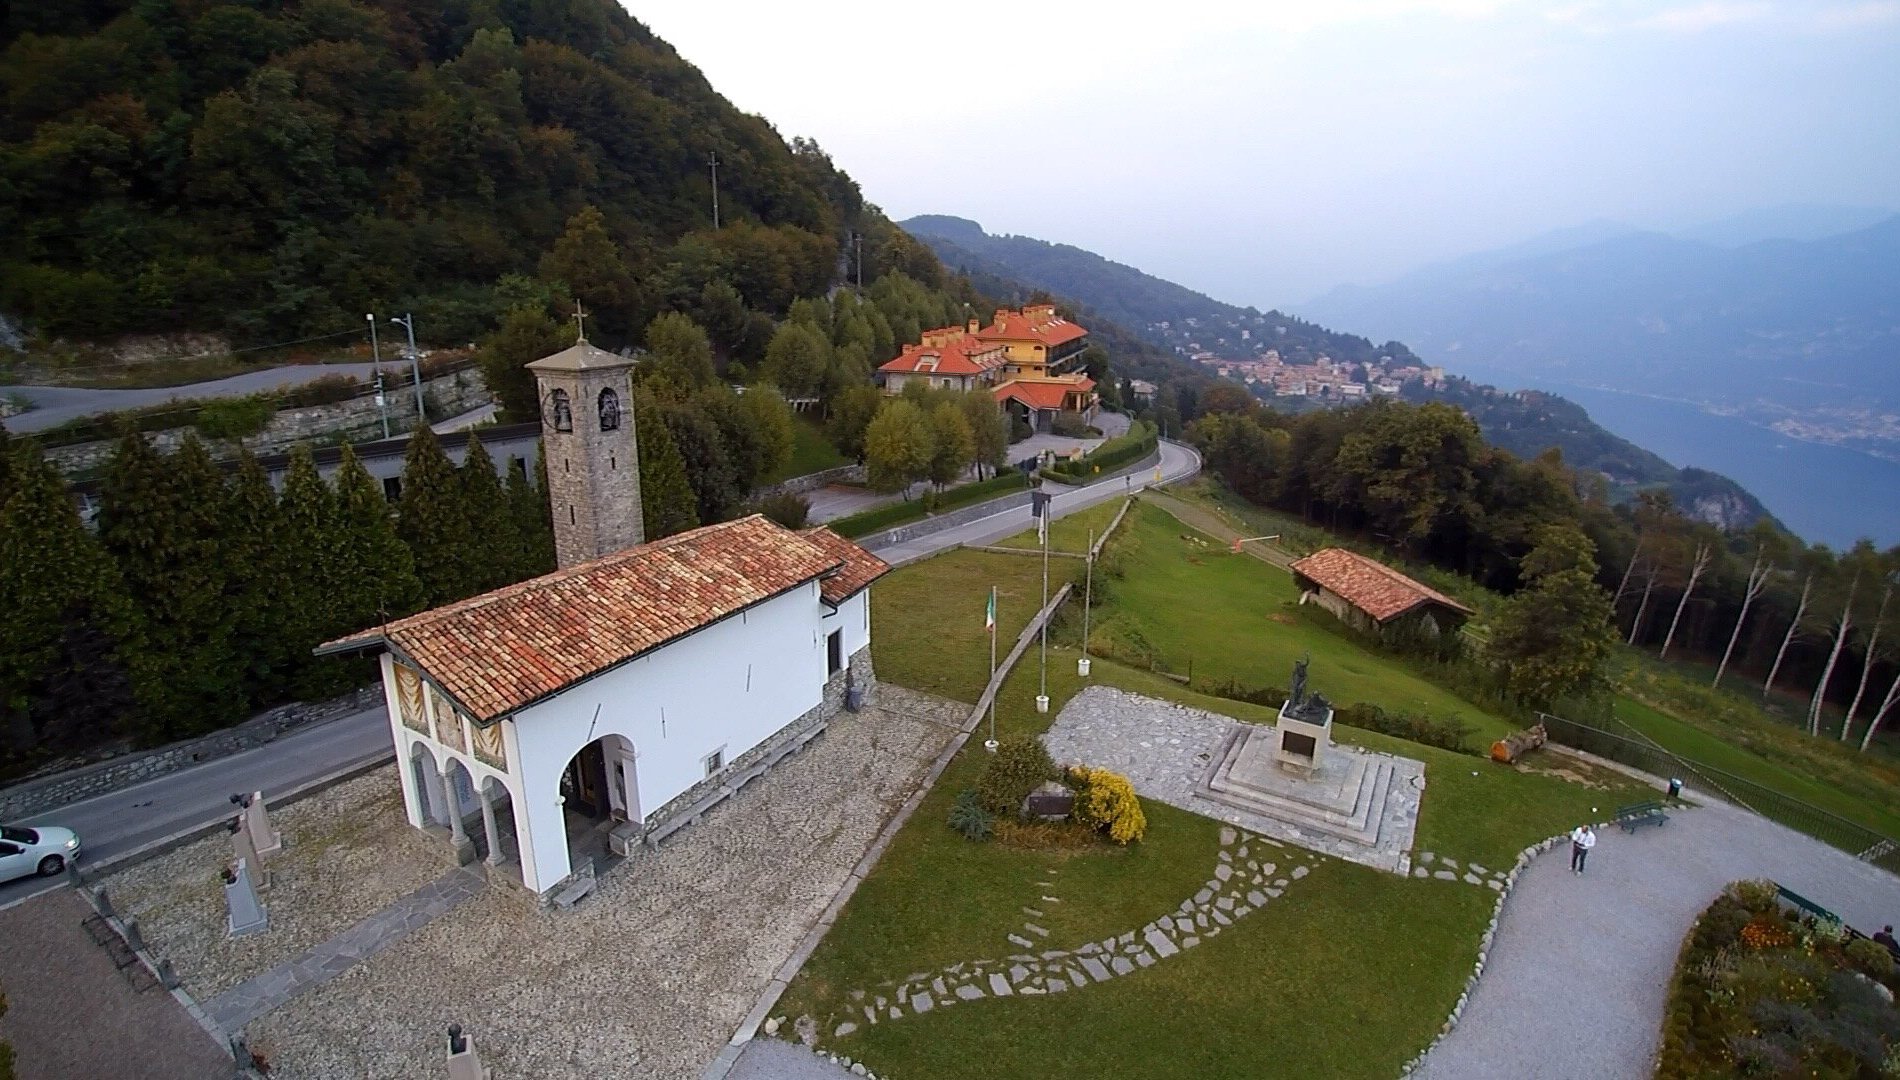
[[667, 502], [491, 564], [257, 587], [69, 642], [375, 576], [432, 518], [709, 467], [161, 521], [311, 613], [530, 527]]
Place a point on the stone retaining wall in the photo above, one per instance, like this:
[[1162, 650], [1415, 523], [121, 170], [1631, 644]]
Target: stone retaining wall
[[939, 522], [46, 792], [798, 485], [356, 420]]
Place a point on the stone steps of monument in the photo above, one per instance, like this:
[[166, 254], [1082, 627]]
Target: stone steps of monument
[[1361, 826], [1346, 799]]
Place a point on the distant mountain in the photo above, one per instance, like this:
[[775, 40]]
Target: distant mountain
[[1796, 221], [1188, 322], [1169, 315], [1775, 324]]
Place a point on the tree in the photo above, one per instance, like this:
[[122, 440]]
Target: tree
[[1794, 624], [1854, 564], [588, 261], [771, 420], [1413, 470], [490, 565], [373, 575], [1698, 565], [796, 360], [313, 612], [951, 444], [1885, 567], [717, 487], [258, 587], [432, 519], [851, 414], [1552, 637], [1769, 550], [897, 446], [989, 430], [530, 526], [667, 502], [722, 311], [526, 334], [679, 350]]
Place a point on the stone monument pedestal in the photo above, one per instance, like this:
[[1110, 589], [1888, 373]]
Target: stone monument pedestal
[[1303, 736], [247, 915]]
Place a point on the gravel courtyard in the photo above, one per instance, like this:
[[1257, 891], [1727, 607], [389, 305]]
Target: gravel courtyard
[[649, 975]]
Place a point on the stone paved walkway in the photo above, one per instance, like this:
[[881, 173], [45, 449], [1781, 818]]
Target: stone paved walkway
[[1166, 750], [249, 1000], [1576, 980], [1250, 872]]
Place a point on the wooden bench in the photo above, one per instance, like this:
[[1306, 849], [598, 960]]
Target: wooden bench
[[1635, 815]]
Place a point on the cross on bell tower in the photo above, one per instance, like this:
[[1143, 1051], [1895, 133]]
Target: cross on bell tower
[[593, 456]]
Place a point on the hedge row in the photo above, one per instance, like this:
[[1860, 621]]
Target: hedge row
[[1138, 443], [880, 518]]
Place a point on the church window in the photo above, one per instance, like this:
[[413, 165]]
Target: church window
[[563, 412], [609, 410], [715, 761]]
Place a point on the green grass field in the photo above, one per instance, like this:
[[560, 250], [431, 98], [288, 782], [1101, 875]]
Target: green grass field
[[811, 452], [1070, 533], [1333, 950], [1187, 602]]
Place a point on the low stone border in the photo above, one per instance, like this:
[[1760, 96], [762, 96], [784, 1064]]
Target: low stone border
[[1484, 944]]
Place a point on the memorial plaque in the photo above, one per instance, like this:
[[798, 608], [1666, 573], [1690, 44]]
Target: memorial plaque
[[1050, 802], [1293, 742]]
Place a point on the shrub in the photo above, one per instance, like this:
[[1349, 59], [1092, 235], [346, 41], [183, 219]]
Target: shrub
[[234, 418], [1870, 958], [1018, 766], [969, 818], [787, 509], [1107, 801], [325, 391], [1069, 425], [1759, 897]]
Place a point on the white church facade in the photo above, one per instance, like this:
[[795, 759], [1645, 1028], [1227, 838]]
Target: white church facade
[[543, 725]]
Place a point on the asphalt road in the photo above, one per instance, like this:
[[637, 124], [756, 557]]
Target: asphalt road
[[53, 405], [117, 824]]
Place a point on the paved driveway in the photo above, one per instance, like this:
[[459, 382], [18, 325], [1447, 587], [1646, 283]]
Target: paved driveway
[[1578, 974]]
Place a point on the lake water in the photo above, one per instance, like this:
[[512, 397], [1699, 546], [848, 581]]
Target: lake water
[[1825, 494]]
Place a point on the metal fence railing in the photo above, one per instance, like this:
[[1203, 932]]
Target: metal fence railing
[[1824, 825]]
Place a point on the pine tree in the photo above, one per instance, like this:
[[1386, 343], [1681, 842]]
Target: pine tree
[[531, 530], [70, 651], [709, 466], [432, 518], [161, 521], [667, 503], [490, 564], [374, 578], [256, 587]]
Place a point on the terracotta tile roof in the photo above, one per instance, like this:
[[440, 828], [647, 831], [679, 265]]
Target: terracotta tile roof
[[959, 356], [1043, 393], [1038, 323], [860, 566], [1369, 585], [503, 650]]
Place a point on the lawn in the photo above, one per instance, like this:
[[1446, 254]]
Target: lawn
[[1186, 604], [1070, 533], [1333, 951], [811, 452]]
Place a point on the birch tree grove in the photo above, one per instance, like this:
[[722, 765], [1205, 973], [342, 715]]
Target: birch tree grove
[[1886, 706], [1794, 627], [1843, 624], [1698, 565], [1870, 655]]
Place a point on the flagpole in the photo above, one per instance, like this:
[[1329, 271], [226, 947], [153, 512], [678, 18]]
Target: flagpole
[[1088, 598], [991, 744], [1042, 699]]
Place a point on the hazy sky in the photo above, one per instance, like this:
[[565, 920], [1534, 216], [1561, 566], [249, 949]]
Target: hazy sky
[[1263, 152]]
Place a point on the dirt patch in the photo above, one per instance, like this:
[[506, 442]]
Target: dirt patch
[[1282, 619]]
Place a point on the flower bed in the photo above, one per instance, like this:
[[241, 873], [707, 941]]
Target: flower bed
[[1762, 991]]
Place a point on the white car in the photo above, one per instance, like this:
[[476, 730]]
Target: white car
[[44, 851]]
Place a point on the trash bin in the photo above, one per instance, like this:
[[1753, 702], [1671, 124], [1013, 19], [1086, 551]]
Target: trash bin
[[1675, 788]]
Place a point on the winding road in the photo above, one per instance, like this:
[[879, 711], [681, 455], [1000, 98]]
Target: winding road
[[54, 405]]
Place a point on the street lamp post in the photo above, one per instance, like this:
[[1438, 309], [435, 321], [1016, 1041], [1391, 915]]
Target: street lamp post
[[408, 322], [376, 357]]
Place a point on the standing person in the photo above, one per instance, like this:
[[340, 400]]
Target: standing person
[[1582, 839]]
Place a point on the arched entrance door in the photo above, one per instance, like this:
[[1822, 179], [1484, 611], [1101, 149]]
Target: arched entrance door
[[598, 789]]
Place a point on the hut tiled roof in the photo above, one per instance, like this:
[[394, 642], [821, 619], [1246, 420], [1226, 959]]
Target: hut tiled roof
[[1369, 585]]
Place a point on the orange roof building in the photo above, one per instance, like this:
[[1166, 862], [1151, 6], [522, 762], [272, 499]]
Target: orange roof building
[[636, 689], [1371, 595], [1039, 341], [947, 357]]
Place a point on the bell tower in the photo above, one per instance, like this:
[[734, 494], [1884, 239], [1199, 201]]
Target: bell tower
[[592, 455]]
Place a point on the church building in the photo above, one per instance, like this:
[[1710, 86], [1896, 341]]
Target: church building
[[546, 724]]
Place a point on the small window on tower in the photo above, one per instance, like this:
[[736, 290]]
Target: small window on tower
[[563, 413], [609, 410]]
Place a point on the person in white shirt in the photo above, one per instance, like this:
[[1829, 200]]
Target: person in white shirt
[[1582, 839]]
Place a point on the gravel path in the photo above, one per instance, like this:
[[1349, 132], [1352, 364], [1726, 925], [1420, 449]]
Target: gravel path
[[776, 1059], [1576, 980]]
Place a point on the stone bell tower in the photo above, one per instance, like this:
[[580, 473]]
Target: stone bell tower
[[593, 458]]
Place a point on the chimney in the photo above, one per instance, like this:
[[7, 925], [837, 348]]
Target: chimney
[[974, 325]]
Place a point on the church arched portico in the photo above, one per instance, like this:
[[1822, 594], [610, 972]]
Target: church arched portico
[[595, 788]]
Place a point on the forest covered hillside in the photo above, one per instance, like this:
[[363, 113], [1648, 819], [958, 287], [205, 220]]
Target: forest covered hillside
[[270, 171]]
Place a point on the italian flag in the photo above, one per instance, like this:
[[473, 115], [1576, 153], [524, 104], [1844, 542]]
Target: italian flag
[[989, 613]]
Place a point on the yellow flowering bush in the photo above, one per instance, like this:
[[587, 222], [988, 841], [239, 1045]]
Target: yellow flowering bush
[[1106, 800]]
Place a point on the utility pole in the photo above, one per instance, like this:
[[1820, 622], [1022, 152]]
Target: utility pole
[[408, 322], [857, 245], [376, 357], [712, 159]]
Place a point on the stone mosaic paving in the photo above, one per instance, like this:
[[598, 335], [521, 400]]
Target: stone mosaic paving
[[1166, 750], [1250, 872]]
